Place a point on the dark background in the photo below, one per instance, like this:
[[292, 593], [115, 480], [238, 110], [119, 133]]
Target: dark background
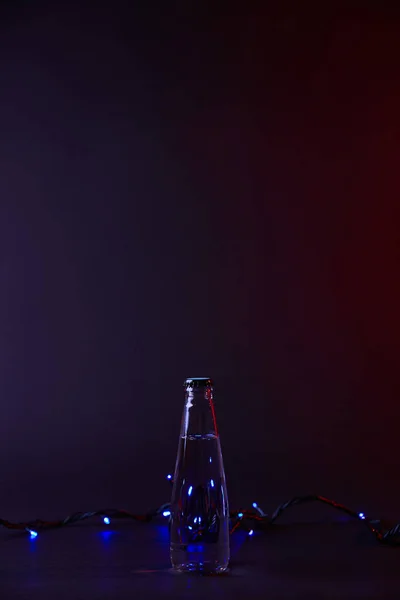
[[192, 189]]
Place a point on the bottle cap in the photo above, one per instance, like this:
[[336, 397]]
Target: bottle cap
[[197, 382]]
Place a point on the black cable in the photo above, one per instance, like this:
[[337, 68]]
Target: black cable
[[389, 536]]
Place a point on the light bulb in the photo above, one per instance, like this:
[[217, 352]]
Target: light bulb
[[258, 509], [33, 534]]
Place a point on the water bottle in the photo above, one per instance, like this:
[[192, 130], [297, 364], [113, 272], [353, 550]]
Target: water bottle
[[199, 504]]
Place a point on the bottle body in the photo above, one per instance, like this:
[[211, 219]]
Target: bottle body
[[199, 503]]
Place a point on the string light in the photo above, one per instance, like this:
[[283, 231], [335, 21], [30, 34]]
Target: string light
[[252, 521], [169, 476]]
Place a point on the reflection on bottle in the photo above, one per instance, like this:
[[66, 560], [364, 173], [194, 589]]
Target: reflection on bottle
[[199, 504]]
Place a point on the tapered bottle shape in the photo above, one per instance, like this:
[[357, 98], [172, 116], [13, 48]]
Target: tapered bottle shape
[[199, 504]]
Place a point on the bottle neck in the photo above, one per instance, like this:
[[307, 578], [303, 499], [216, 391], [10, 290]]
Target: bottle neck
[[198, 413]]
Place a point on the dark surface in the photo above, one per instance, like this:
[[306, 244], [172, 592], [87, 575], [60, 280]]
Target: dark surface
[[87, 562]]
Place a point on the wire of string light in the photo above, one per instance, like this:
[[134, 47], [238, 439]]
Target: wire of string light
[[251, 520]]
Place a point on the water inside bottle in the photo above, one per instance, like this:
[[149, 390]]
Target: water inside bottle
[[199, 507]]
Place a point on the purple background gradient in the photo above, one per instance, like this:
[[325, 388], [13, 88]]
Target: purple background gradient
[[190, 192]]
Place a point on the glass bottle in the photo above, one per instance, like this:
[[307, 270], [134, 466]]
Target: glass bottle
[[199, 503]]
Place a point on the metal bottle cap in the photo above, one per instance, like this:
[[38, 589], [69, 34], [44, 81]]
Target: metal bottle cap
[[197, 382]]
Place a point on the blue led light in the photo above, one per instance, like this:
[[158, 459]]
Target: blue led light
[[166, 513], [251, 532], [190, 527], [195, 520], [361, 515], [212, 482], [169, 476], [258, 509], [190, 490], [106, 521], [33, 534], [210, 459], [240, 515]]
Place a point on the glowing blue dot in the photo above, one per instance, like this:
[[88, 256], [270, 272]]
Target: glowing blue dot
[[240, 515], [190, 527], [190, 490], [106, 521], [361, 515], [251, 532], [255, 505], [210, 459], [169, 476], [195, 520], [33, 534], [166, 513], [212, 482]]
